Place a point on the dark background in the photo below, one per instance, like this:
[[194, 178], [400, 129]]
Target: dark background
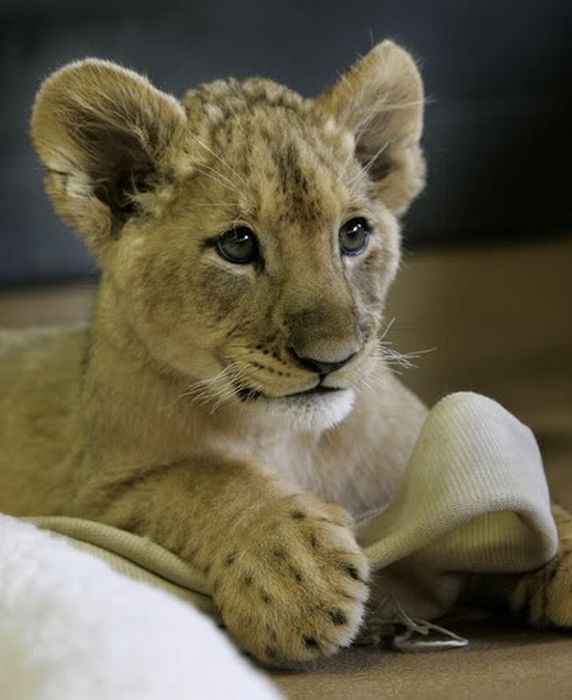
[[498, 73]]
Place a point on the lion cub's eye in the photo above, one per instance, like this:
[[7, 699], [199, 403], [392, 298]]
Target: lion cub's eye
[[239, 245], [354, 236]]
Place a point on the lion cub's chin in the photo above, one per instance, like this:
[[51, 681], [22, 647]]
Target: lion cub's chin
[[303, 413]]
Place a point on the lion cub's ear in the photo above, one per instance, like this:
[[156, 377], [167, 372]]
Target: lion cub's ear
[[380, 100], [103, 133]]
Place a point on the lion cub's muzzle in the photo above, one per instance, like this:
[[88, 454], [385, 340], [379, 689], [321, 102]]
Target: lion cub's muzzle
[[323, 339]]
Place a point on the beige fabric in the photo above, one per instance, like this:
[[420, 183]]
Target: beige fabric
[[474, 498]]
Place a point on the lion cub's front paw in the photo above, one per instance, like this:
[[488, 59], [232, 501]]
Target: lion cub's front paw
[[292, 585], [544, 597]]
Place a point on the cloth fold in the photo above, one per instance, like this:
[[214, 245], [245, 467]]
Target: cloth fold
[[474, 499]]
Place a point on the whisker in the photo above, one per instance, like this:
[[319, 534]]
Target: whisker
[[218, 177], [221, 160], [203, 388], [228, 103]]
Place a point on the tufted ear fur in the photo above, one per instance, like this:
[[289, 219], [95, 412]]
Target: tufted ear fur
[[380, 100], [103, 132]]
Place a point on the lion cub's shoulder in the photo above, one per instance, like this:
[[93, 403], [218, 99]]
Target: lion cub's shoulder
[[37, 363]]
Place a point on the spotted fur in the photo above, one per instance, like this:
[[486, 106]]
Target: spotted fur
[[544, 598]]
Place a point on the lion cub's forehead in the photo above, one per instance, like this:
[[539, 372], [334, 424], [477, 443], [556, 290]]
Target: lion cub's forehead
[[272, 149]]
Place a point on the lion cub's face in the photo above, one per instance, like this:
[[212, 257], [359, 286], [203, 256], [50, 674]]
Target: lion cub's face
[[249, 236]]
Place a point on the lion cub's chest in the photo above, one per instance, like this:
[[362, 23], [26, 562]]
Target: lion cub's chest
[[352, 477]]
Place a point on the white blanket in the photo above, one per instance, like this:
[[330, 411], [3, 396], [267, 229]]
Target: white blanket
[[474, 498], [71, 628]]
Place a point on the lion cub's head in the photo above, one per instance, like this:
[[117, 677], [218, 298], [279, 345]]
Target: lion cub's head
[[248, 236]]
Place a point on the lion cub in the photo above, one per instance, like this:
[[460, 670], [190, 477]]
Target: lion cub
[[230, 399]]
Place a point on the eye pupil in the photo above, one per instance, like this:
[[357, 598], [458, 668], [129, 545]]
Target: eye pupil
[[238, 245], [354, 236]]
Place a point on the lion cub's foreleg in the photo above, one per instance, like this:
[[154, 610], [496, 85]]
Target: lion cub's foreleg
[[544, 597], [283, 567]]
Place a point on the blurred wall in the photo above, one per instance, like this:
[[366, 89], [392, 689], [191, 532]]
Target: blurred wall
[[498, 75]]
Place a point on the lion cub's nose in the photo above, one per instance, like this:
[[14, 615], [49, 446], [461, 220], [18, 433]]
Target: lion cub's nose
[[320, 366]]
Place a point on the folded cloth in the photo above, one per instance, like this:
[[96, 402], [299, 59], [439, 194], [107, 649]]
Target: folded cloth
[[473, 499]]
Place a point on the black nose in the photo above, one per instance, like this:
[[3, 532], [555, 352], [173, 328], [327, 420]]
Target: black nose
[[319, 366]]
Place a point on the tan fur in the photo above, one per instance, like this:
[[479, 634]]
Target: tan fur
[[544, 597], [139, 419]]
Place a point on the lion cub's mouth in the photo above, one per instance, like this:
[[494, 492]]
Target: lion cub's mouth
[[248, 394]]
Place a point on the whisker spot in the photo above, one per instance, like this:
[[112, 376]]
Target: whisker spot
[[311, 642], [338, 617]]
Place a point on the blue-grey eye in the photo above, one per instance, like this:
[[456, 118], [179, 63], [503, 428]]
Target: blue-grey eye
[[238, 245], [354, 236]]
